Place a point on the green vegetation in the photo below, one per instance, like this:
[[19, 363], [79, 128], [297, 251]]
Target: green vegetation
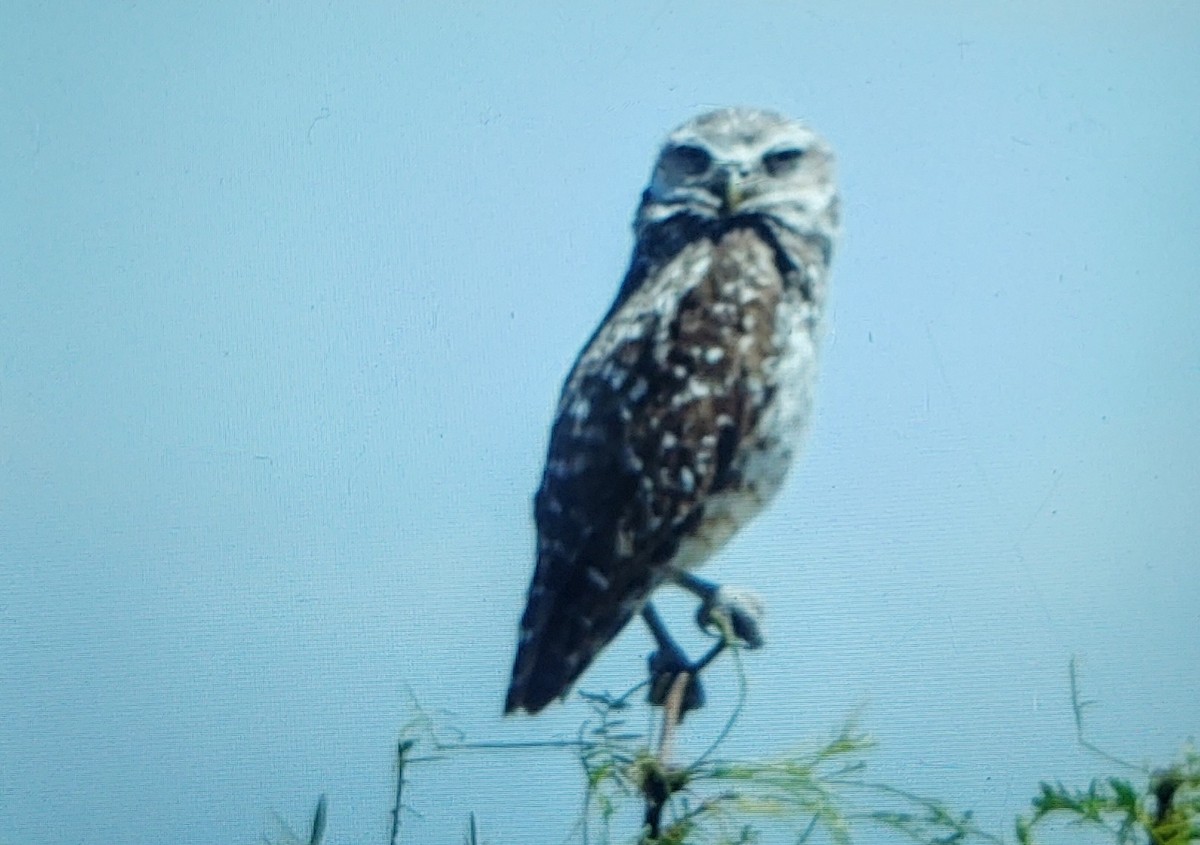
[[819, 794], [1165, 811]]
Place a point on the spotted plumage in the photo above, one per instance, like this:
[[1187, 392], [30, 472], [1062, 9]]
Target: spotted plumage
[[680, 417]]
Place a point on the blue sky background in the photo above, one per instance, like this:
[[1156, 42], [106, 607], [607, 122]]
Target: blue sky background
[[287, 292]]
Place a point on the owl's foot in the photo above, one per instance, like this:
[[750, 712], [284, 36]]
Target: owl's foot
[[735, 613], [668, 663], [666, 667]]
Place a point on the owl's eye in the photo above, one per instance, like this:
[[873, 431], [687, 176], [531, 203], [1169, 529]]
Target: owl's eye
[[780, 162], [689, 160]]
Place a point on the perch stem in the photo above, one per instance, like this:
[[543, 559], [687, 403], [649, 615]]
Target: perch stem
[[657, 788]]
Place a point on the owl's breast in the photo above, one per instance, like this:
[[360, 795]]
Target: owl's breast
[[783, 418], [753, 340], [680, 419]]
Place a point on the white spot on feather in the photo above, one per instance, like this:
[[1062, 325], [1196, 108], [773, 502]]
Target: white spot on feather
[[624, 543], [597, 579], [580, 408], [687, 480]]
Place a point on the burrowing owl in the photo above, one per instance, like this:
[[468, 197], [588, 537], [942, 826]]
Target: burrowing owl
[[682, 414]]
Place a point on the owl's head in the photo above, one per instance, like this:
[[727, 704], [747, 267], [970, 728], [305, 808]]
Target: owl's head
[[744, 162]]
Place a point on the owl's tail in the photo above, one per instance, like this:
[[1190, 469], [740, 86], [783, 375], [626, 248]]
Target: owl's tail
[[562, 631], [548, 664], [543, 684]]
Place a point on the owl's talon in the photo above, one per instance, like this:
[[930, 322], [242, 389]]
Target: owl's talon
[[667, 664], [735, 613]]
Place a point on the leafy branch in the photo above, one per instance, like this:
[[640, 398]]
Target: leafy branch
[[1165, 812]]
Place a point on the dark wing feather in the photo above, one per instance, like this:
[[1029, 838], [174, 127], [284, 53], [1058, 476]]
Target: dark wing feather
[[648, 427]]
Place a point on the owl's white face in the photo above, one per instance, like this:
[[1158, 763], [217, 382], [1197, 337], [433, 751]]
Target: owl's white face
[[737, 162]]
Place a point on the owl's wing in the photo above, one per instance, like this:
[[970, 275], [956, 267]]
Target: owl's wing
[[648, 428]]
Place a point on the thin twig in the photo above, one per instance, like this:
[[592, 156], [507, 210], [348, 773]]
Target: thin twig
[[743, 690], [509, 746], [317, 832], [671, 714], [1078, 706], [404, 747]]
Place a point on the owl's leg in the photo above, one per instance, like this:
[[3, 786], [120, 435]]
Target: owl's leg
[[735, 613], [731, 610], [668, 662]]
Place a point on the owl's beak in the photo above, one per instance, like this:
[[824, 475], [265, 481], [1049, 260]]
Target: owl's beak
[[731, 188]]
